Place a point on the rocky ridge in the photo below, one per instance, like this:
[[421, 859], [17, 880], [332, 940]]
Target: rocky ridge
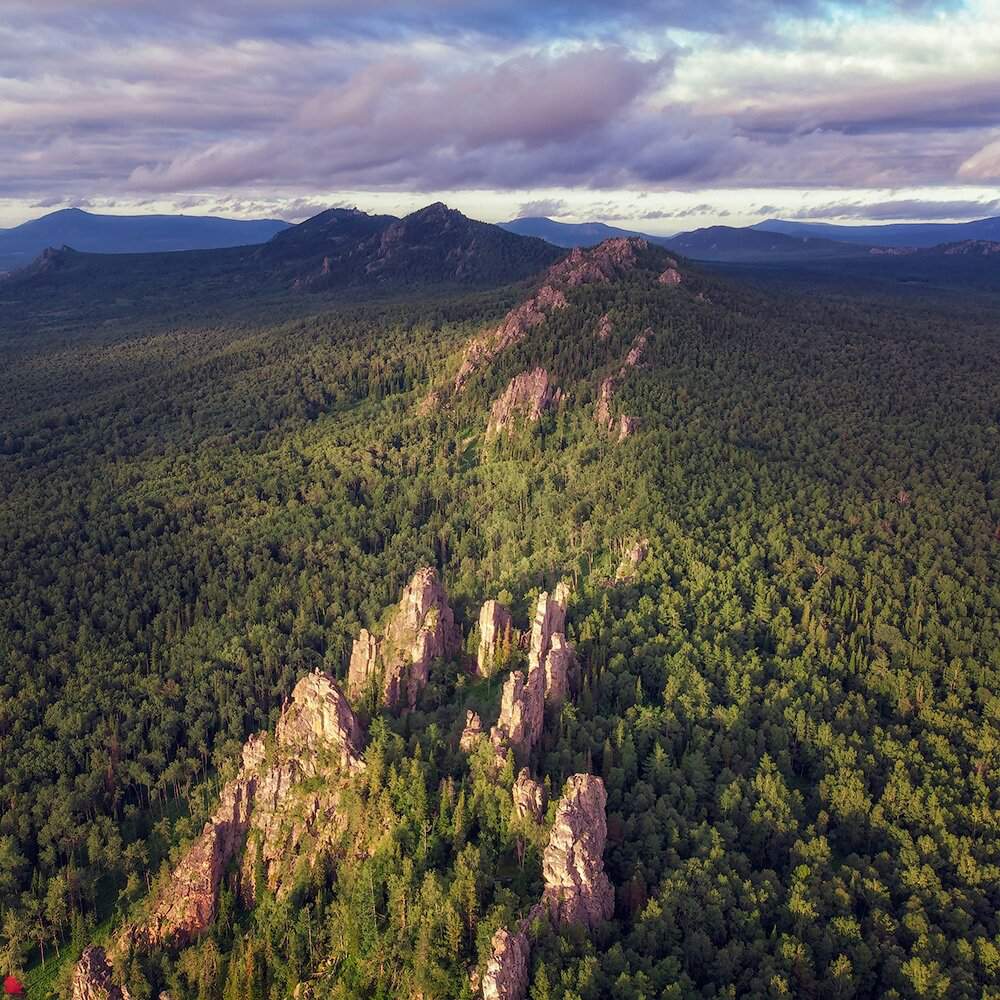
[[317, 734], [527, 396], [93, 977], [395, 667], [623, 425], [596, 265]]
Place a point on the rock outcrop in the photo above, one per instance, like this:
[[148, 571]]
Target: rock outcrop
[[633, 555], [472, 733], [604, 327], [270, 805], [506, 976], [594, 265], [92, 977], [494, 633], [522, 715], [577, 891], [549, 652], [527, 397], [395, 666], [603, 414], [528, 796], [671, 275]]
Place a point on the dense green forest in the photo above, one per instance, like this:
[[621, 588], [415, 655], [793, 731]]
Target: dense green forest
[[793, 704]]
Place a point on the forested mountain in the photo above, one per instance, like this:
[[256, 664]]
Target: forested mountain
[[894, 234], [627, 633], [92, 233]]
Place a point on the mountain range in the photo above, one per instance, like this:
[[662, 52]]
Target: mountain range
[[95, 233]]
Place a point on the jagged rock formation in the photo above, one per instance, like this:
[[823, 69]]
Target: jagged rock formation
[[603, 415], [472, 733], [549, 652], [550, 658], [627, 426], [633, 555], [596, 265], [522, 714], [604, 327], [671, 275], [421, 629], [506, 976], [527, 396], [529, 797], [577, 891], [269, 805], [494, 631], [92, 977]]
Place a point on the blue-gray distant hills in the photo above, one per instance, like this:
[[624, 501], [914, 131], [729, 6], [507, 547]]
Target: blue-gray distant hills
[[774, 240], [92, 233]]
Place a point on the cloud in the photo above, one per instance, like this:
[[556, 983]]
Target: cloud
[[897, 210], [547, 207], [984, 164]]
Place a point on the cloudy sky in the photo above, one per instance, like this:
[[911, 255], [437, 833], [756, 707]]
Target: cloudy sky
[[659, 114]]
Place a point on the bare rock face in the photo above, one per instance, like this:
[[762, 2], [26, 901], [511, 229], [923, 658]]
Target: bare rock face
[[671, 276], [472, 733], [506, 976], [634, 555], [594, 265], [522, 715], [422, 628], [627, 426], [92, 977], [269, 803], [549, 652], [559, 662], [527, 396], [529, 797], [186, 906], [494, 631], [604, 327], [603, 415], [577, 890], [317, 719]]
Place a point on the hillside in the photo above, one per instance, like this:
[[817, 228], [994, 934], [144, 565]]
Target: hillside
[[629, 632], [92, 233]]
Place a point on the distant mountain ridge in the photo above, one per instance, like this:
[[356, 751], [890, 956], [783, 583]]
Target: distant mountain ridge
[[897, 234], [93, 233]]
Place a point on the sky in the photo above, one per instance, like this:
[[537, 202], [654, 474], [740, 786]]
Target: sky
[[658, 115]]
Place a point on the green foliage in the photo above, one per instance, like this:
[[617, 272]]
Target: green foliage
[[793, 704]]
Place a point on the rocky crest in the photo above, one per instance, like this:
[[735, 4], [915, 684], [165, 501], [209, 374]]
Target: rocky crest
[[494, 633], [624, 425], [506, 976], [421, 629], [472, 733], [577, 891], [92, 977], [317, 734], [527, 396], [595, 265], [528, 796]]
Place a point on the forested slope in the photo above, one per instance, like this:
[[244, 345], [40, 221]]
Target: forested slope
[[791, 699]]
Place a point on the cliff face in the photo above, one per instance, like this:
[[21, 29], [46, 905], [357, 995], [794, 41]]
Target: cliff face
[[577, 890], [267, 805], [522, 714], [633, 555], [549, 652], [494, 630], [527, 397], [528, 797], [421, 629], [506, 975], [92, 978]]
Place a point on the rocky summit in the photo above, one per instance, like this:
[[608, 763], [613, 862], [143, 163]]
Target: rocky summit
[[393, 668]]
